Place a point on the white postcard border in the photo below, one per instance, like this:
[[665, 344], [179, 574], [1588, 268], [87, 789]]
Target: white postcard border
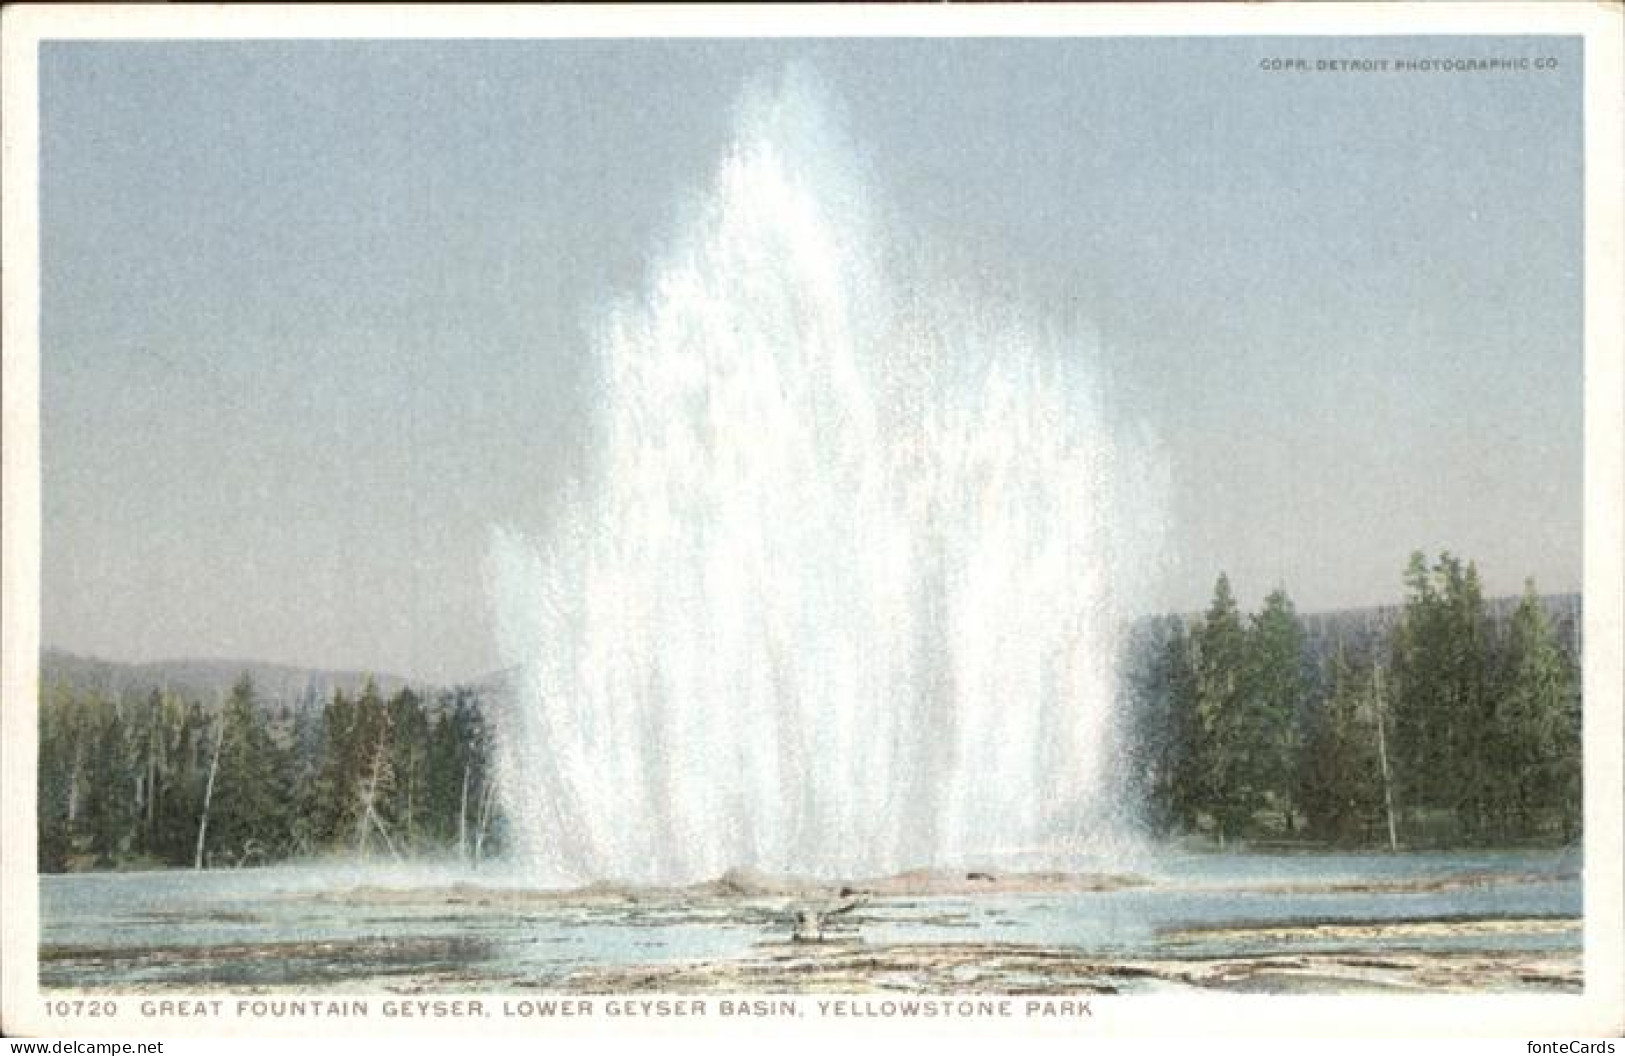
[[1598, 1010]]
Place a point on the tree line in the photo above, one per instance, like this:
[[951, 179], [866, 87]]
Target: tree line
[[157, 780], [1450, 726]]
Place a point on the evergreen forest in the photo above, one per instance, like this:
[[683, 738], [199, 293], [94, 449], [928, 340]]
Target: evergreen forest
[[1447, 721]]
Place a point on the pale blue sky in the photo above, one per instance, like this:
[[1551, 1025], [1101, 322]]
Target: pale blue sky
[[314, 313]]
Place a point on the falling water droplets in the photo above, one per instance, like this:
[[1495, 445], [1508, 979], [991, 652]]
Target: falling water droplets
[[835, 596]]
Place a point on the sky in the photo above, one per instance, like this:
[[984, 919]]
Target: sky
[[316, 315]]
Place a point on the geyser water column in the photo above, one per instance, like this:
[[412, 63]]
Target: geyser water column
[[834, 595]]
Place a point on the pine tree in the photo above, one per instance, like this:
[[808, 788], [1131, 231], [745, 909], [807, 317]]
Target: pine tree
[[191, 735], [60, 753], [1174, 730], [1535, 739], [458, 772], [1473, 717], [407, 805], [1225, 779], [305, 769], [1277, 686], [157, 743], [334, 799], [1339, 771], [370, 748], [1420, 707], [251, 796], [1443, 710], [109, 810]]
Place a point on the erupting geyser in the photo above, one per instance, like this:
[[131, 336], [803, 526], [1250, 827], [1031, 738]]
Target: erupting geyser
[[834, 596]]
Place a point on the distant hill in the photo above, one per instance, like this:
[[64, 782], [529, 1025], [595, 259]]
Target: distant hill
[[209, 681], [1361, 630]]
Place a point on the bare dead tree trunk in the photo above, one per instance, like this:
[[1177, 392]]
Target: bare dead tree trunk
[[410, 823], [485, 821], [152, 785], [73, 779], [462, 816], [208, 793], [383, 830], [1381, 709], [154, 735], [368, 815]]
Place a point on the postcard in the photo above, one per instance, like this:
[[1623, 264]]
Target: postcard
[[1018, 520]]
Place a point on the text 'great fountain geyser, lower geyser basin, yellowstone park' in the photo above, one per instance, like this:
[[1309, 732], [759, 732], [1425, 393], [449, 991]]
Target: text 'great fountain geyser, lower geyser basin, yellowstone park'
[[834, 595]]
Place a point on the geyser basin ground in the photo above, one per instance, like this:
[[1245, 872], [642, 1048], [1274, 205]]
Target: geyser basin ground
[[1323, 923]]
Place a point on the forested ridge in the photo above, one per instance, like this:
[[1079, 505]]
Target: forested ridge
[[1448, 720], [155, 779]]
